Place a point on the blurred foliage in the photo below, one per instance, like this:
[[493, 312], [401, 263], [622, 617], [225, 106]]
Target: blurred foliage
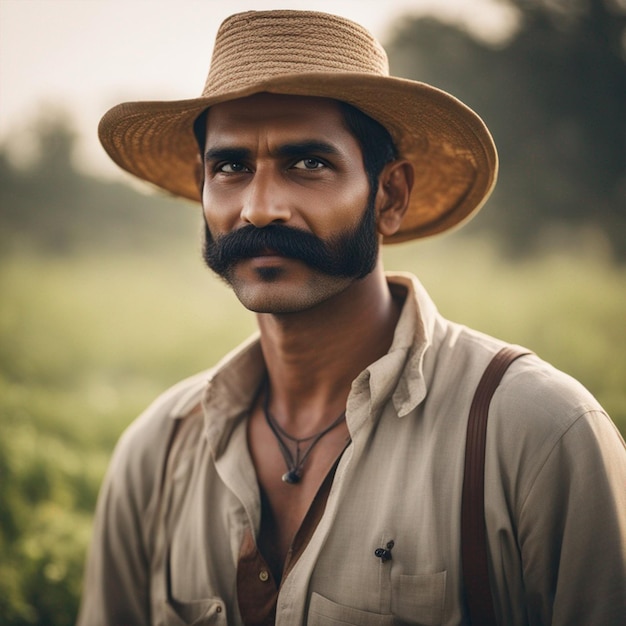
[[105, 302], [554, 97], [48, 205]]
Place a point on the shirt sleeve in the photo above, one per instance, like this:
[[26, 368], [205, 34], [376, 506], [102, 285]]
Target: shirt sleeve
[[572, 529], [116, 577], [117, 582]]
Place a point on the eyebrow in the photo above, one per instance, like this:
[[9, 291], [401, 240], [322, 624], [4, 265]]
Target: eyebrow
[[307, 147], [301, 148], [227, 154]]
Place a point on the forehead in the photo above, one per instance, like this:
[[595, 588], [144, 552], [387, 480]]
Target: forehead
[[297, 116]]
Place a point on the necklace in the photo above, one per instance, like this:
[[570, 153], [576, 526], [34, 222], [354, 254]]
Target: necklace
[[294, 465]]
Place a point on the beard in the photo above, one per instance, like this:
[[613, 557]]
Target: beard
[[349, 254]]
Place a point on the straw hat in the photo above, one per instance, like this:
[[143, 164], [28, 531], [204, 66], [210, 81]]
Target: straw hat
[[315, 54]]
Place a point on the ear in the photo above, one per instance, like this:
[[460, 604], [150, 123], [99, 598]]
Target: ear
[[392, 197]]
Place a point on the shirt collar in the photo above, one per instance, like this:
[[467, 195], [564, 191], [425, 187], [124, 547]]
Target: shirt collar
[[400, 372]]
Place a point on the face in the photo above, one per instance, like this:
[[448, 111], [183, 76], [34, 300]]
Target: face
[[289, 213]]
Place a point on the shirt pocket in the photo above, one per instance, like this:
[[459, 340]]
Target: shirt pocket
[[324, 612], [208, 612], [419, 599]]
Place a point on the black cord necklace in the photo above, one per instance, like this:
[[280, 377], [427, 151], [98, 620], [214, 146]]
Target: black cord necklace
[[294, 465]]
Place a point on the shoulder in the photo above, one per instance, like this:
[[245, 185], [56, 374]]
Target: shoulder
[[535, 409], [531, 388], [536, 395], [546, 428]]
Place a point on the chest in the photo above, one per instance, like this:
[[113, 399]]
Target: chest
[[399, 484], [285, 506]]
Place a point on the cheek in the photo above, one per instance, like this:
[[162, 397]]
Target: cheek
[[220, 213], [343, 210]]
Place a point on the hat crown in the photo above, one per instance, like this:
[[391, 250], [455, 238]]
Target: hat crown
[[255, 46], [312, 54]]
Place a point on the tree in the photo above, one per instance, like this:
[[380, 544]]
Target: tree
[[554, 97], [53, 207]]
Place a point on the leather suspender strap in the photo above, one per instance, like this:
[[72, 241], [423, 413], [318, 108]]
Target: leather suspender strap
[[473, 527]]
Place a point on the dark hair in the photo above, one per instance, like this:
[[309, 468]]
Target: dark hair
[[377, 146]]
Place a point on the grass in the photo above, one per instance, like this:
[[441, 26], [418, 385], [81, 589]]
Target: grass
[[87, 342]]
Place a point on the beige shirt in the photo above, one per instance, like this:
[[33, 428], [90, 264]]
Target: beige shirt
[[166, 551]]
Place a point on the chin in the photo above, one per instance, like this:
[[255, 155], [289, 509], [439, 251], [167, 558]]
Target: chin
[[274, 304], [277, 299]]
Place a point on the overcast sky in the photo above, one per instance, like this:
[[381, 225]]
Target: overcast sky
[[91, 54]]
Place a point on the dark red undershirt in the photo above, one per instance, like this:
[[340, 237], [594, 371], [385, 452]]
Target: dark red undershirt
[[257, 584]]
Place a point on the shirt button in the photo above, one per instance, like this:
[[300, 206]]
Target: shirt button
[[218, 609], [264, 576]]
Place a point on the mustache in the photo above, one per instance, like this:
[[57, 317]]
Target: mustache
[[250, 241]]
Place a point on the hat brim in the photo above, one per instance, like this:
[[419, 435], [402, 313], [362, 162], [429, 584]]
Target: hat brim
[[452, 151]]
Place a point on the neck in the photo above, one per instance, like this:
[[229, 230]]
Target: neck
[[313, 356]]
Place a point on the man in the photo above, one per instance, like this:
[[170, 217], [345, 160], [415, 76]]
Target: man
[[315, 475]]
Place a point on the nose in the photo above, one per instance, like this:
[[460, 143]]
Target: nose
[[266, 200]]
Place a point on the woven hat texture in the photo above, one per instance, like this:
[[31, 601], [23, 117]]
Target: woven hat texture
[[308, 53]]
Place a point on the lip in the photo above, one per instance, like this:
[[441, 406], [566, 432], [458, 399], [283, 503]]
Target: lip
[[266, 258]]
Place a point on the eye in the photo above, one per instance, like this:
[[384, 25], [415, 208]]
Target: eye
[[310, 163], [233, 167]]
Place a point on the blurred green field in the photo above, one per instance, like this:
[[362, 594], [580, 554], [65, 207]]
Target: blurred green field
[[88, 341]]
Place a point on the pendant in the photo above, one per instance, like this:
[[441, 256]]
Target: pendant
[[291, 477]]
